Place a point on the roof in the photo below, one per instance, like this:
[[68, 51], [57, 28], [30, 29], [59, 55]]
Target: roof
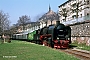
[[50, 15], [65, 3]]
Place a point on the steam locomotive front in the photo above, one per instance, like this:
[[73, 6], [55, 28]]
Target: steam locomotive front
[[60, 33]]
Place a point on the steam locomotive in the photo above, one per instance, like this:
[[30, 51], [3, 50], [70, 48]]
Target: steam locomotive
[[55, 36]]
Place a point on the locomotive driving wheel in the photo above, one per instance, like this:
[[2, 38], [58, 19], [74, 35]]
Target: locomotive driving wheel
[[45, 43]]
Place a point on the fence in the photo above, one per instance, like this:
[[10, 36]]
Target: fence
[[80, 19]]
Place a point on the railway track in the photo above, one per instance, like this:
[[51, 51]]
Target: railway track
[[82, 54]]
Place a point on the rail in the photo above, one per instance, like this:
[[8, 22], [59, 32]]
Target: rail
[[81, 54]]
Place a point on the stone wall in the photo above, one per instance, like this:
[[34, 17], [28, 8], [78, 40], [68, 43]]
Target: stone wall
[[81, 33]]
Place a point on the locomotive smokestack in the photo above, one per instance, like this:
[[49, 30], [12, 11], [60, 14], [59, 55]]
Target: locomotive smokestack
[[46, 23], [57, 23]]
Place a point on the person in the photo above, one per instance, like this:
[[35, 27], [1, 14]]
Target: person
[[2, 38]]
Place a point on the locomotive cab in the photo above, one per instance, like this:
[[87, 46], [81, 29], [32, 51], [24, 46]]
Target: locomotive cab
[[44, 35], [51, 30]]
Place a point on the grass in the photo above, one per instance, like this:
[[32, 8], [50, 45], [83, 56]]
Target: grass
[[81, 46], [21, 50]]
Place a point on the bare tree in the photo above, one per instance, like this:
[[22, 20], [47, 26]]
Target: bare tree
[[4, 22], [13, 29], [24, 20]]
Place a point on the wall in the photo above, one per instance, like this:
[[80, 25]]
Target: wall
[[81, 33]]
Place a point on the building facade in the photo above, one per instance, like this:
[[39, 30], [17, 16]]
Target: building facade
[[29, 27], [73, 9], [76, 14]]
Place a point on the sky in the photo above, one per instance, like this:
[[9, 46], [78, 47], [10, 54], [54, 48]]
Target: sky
[[32, 8]]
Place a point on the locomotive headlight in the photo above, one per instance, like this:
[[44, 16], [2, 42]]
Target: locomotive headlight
[[68, 38], [60, 30], [57, 37]]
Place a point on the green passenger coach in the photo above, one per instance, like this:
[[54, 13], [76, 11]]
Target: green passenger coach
[[31, 35]]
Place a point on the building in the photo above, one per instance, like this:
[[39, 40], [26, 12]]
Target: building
[[29, 27], [73, 11], [76, 14], [48, 18]]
